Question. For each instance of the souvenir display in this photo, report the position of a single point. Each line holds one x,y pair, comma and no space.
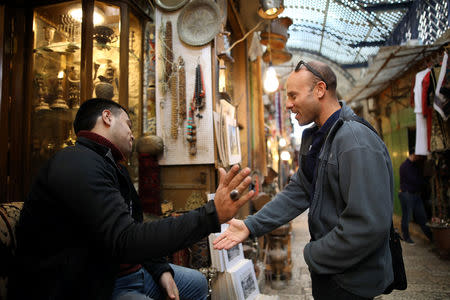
59,103
170,5
173,83
192,130
42,105
104,35
168,58
183,98
198,22
73,83
104,87
181,91
199,91
63,77
211,274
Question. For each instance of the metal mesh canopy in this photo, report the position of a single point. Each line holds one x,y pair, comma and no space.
388,65
347,32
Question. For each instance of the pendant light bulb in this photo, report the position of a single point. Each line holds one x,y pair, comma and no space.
270,80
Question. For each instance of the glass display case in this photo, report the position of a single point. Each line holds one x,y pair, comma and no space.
56,79
84,49
106,52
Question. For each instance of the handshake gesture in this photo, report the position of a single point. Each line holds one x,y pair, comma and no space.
227,201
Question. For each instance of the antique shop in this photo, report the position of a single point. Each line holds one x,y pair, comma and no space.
204,85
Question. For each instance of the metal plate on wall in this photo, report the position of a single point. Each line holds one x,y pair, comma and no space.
198,22
171,5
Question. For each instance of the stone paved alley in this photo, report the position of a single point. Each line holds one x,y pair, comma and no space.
428,275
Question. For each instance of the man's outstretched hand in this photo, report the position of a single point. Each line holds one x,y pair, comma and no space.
236,233
233,180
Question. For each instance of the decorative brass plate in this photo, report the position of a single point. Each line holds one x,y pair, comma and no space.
170,5
199,22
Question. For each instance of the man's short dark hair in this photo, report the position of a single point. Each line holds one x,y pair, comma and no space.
91,109
327,73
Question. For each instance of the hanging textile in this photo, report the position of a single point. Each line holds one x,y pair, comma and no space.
421,121
427,107
440,133
442,98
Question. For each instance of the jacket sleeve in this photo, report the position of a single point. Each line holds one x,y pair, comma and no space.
87,190
366,185
285,206
156,267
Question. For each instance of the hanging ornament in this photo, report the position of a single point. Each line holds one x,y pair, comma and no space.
192,130
199,91
168,50
181,91
174,101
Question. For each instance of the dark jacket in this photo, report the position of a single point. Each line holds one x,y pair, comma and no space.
411,178
76,228
350,212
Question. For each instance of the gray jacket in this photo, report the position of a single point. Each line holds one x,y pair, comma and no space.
350,213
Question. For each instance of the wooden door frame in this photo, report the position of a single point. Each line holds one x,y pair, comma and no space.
15,55
3,112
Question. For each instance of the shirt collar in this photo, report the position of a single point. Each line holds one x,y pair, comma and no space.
329,122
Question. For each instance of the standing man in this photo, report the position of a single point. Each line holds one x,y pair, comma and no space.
412,183
80,234
345,180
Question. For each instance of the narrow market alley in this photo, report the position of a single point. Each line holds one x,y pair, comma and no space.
428,275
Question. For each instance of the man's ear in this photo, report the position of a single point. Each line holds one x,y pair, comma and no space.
107,117
321,89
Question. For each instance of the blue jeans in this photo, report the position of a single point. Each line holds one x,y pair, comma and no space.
412,205
141,286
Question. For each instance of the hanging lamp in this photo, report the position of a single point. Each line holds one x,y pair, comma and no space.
270,9
270,78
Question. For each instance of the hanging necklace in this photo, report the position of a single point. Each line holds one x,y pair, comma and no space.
181,91
168,50
199,91
192,130
174,101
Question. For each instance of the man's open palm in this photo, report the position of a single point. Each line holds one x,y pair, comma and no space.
236,233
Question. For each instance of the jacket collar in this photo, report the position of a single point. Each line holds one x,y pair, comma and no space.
98,140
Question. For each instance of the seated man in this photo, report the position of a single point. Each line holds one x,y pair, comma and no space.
80,234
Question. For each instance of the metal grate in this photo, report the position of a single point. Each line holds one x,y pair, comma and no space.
347,32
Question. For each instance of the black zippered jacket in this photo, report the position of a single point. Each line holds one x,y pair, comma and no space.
76,227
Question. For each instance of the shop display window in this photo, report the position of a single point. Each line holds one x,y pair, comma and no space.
106,52
73,61
56,79
134,72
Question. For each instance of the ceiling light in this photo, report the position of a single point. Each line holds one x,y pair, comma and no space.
270,80
270,9
285,155
77,14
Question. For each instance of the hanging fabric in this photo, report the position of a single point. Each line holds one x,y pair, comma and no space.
421,122
442,98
